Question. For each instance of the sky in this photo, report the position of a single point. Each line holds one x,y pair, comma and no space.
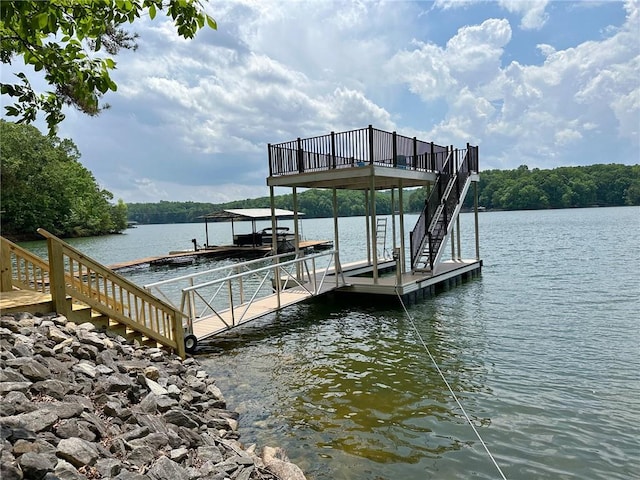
531,82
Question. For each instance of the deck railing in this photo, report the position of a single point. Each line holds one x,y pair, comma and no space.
21,269
355,148
78,276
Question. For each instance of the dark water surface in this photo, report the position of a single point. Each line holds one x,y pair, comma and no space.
543,351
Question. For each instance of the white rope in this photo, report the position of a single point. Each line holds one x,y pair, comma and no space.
435,364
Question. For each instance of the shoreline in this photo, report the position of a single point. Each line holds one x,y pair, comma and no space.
81,403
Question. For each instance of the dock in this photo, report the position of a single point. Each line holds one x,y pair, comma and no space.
179,312
224,251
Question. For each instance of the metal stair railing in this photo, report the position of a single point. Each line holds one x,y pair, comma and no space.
440,209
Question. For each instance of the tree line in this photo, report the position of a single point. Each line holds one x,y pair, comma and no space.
603,185
518,189
45,186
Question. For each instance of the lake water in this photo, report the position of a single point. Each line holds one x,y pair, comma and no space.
543,350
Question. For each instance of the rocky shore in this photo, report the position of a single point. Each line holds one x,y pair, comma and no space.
76,403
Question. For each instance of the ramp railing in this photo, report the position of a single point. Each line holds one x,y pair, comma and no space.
235,289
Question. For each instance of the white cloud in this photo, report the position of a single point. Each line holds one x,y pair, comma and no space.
191,119
533,12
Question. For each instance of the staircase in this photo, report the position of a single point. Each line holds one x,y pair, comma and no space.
73,285
441,209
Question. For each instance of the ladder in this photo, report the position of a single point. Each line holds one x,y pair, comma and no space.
381,237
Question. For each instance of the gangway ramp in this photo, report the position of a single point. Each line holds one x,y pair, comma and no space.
218,300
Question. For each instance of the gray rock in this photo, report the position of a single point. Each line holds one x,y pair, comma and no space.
141,455
108,467
127,475
155,387
155,441
77,451
148,404
165,403
178,454
10,471
34,370
210,453
6,387
86,369
116,383
58,335
53,388
135,433
165,469
35,421
35,465
75,428
181,418
11,375
86,352
64,409
65,471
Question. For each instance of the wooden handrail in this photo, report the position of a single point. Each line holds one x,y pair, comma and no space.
21,269
76,275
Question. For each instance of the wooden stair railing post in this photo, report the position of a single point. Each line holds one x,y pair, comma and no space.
178,332
57,283
6,274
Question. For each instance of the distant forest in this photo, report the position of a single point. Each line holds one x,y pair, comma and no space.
518,189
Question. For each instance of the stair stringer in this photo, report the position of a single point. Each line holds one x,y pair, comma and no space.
456,212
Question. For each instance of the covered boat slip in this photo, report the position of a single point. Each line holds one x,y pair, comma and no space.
254,238
244,245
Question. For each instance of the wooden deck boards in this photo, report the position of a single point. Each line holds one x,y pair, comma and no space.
22,299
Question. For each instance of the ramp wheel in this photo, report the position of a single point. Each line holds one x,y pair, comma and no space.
190,343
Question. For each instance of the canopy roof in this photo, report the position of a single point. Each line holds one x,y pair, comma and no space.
248,214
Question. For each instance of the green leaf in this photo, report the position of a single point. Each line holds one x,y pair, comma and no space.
41,20
152,11
212,23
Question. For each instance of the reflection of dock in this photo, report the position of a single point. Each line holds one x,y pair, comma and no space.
223,251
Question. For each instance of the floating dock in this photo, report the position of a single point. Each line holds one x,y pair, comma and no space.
224,251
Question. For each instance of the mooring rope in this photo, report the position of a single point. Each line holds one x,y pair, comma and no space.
455,397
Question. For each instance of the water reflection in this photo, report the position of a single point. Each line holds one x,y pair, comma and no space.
352,383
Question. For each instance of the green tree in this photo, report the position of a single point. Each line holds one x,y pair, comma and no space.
64,38
45,185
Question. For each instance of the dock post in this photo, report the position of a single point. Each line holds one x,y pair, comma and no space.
458,237
403,262
336,236
374,240
296,231
367,210
475,214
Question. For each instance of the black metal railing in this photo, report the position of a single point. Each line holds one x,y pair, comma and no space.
433,222
354,148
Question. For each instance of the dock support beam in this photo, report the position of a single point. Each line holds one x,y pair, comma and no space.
336,236
374,239
458,237
403,262
475,212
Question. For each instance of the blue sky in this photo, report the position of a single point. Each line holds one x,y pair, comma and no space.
541,83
